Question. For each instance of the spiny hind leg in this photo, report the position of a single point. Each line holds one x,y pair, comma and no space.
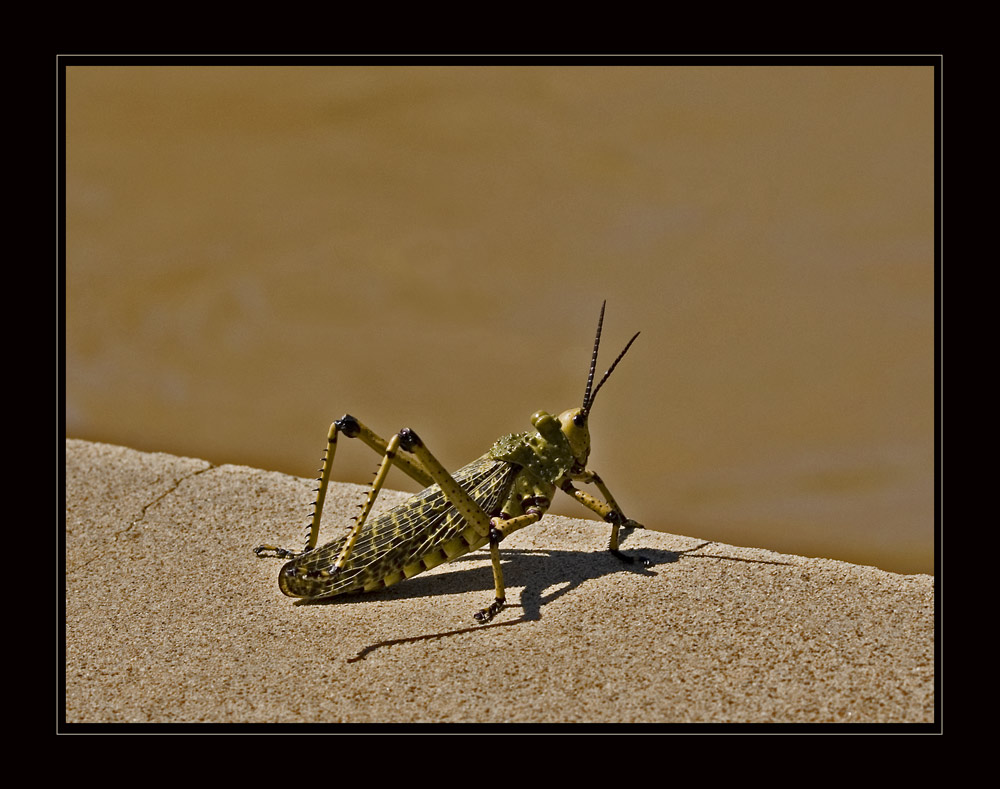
312,537
383,471
352,428
321,566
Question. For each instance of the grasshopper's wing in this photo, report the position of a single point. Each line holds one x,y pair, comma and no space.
420,533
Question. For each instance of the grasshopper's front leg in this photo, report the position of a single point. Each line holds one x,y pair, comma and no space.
607,509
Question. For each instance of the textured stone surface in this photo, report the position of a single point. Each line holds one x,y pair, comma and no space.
171,618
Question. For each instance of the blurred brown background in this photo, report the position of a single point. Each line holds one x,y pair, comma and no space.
254,251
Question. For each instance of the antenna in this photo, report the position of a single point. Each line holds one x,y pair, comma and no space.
588,396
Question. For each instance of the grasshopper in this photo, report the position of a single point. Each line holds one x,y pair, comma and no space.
508,488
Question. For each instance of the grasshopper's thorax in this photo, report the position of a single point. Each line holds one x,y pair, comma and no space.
558,446
545,457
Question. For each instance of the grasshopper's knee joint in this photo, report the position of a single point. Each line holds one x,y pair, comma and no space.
348,425
409,440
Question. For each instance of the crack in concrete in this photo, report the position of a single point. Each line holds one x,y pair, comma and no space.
162,496
142,514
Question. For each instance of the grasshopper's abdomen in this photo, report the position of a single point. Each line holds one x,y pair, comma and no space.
312,574
419,534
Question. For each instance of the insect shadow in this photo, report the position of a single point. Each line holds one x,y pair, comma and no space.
545,576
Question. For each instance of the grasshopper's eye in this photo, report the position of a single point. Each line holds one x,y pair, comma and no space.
580,420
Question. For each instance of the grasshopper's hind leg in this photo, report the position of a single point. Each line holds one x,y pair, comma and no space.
366,508
352,428
324,481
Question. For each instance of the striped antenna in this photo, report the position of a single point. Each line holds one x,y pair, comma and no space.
588,396
593,360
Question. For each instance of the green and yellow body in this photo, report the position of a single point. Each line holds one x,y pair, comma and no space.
508,488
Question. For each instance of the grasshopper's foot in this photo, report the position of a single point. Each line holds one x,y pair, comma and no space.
628,523
274,552
630,559
487,614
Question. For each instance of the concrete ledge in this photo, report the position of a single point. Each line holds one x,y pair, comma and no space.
171,618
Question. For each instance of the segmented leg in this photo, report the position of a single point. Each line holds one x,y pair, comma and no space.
609,511
500,528
366,508
352,428
486,614
474,515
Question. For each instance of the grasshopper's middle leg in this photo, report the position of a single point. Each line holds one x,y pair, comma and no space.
495,528
500,528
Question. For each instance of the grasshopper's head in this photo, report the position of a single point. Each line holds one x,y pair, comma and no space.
573,422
